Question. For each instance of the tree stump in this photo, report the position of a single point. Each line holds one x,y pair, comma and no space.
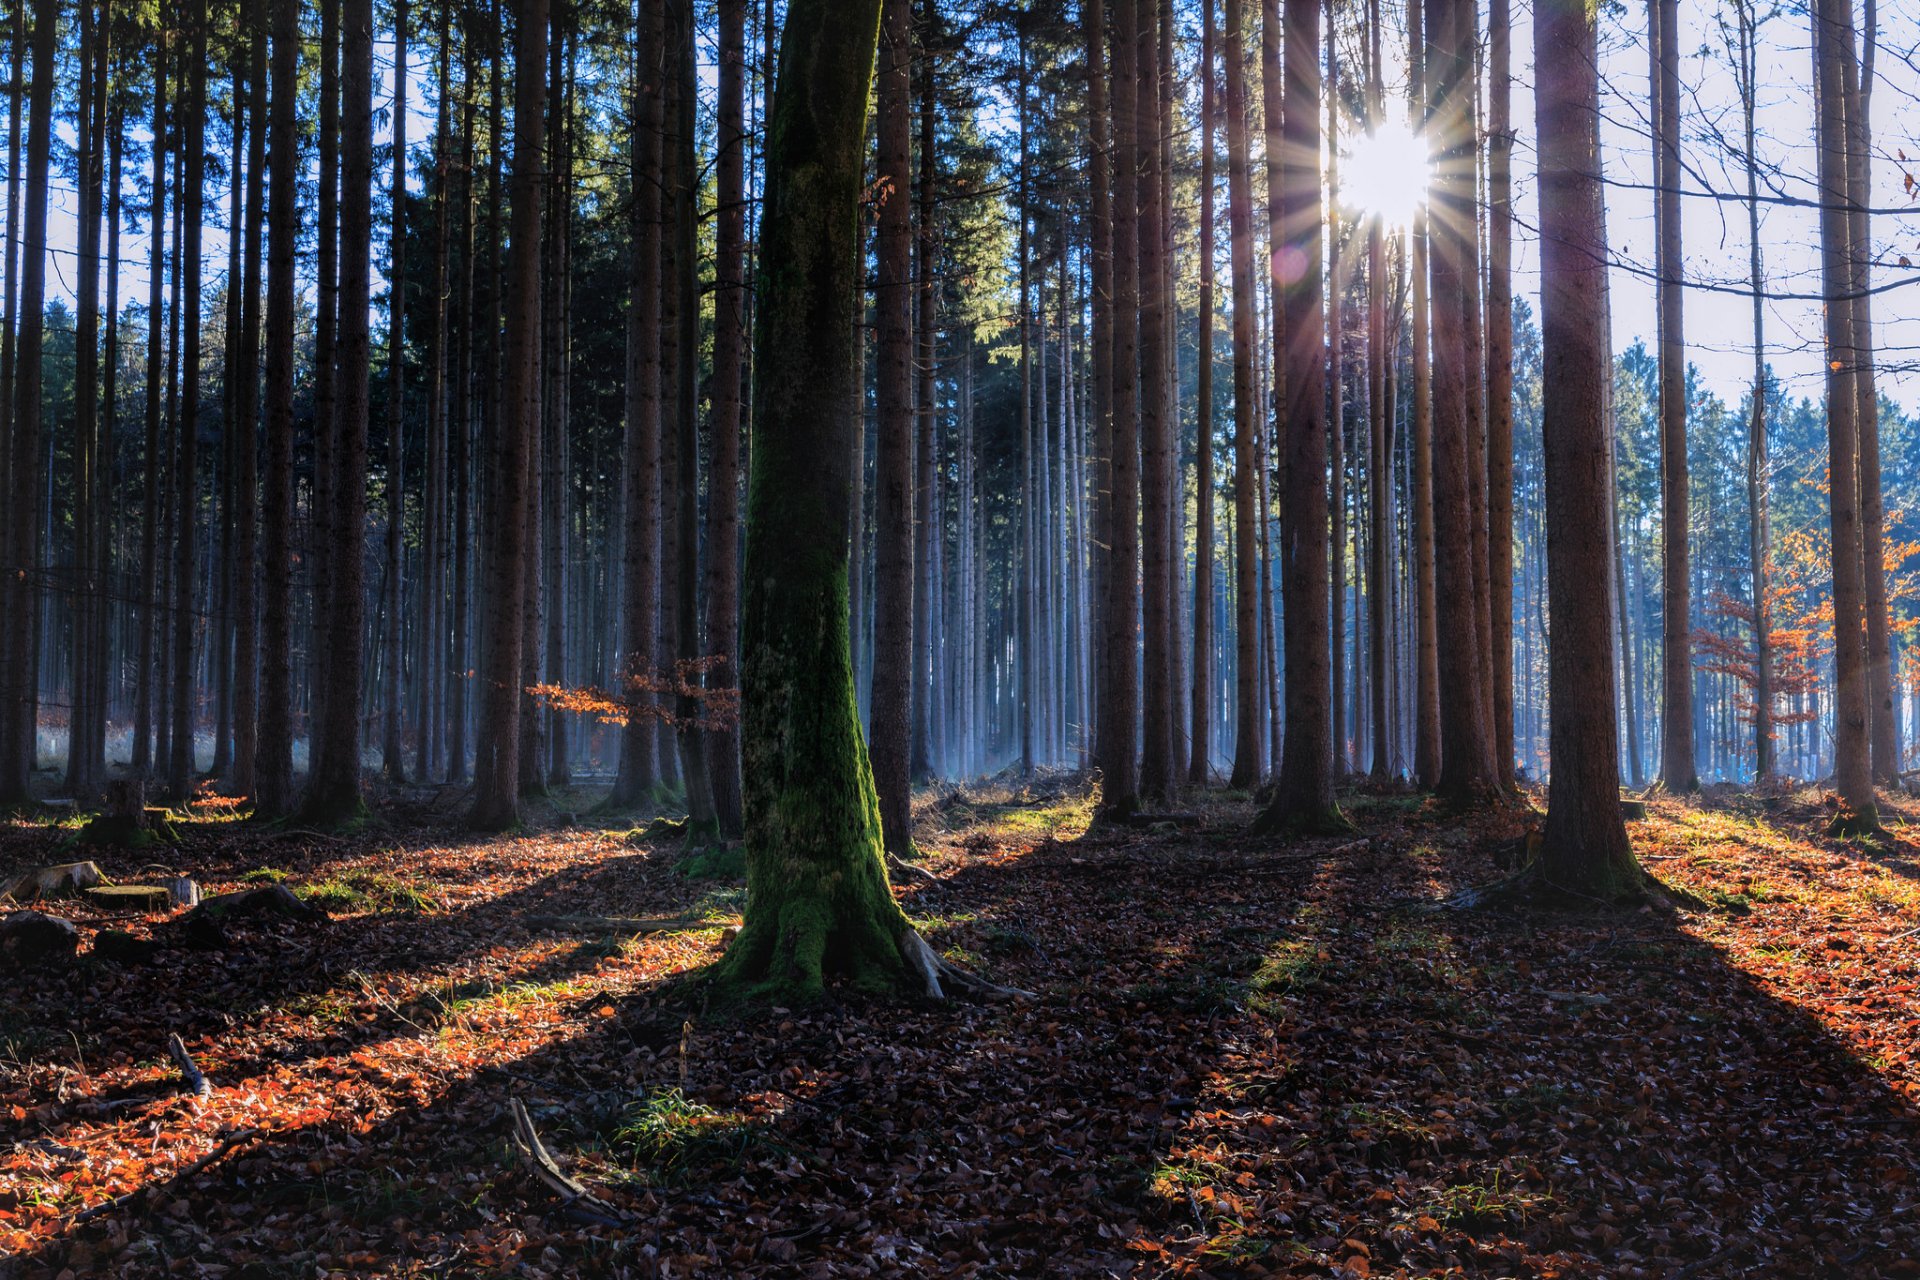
131,897
127,820
61,879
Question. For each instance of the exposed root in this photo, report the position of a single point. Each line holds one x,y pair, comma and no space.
1531,888
190,1073
576,1201
939,977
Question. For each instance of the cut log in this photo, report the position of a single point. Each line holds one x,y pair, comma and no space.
131,897
33,937
617,924
184,891
61,879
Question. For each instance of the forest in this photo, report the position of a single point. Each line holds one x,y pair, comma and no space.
1206,638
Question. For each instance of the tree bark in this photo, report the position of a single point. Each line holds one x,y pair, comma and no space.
1586,849
818,901
729,368
393,761
333,795
1157,424
1852,747
639,762
893,603
1499,378
1119,704
1426,734
1303,797
1677,770
192,136
1246,413
273,760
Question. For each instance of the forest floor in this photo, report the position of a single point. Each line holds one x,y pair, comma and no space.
1242,1059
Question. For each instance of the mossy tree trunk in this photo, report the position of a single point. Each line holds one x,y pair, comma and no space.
817,896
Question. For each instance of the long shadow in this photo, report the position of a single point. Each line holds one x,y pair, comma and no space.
1244,1058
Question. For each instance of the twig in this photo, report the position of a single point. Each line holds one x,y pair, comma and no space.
214,1156
190,1073
575,1200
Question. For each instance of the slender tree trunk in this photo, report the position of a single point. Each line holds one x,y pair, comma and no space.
1119,703
729,360
926,333
1884,711
1246,413
1759,534
497,775
1101,234
1466,762
273,760
1499,379
1337,409
1426,737
1303,798
333,796
246,404
639,766
1157,426
1586,849
1676,665
326,424
1201,697
82,774
894,612
1852,748
141,758
192,133
393,761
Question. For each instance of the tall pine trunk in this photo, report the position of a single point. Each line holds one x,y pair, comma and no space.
333,795
497,772
186,487
1586,849
1303,797
392,696
273,759
894,613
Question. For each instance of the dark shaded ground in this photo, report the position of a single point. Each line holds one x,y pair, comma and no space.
1244,1059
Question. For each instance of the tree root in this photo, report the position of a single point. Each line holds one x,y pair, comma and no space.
576,1201
1530,887
940,976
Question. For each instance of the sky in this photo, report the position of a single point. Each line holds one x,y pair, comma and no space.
1718,325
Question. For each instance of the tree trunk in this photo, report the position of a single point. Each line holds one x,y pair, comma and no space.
273,760
1466,762
1246,413
393,761
639,763
926,328
1759,534
326,385
1677,770
497,775
333,795
1119,703
1201,696
893,604
246,404
186,515
141,756
723,477
1157,425
1426,734
1586,849
1303,798
1884,711
1499,380
1852,748
818,901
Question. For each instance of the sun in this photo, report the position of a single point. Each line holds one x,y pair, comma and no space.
1385,173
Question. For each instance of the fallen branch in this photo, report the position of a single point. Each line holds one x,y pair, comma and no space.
575,1200
214,1156
190,1072
618,924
